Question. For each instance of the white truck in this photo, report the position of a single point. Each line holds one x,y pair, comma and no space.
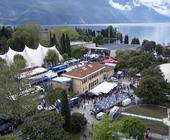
113,111
100,115
126,102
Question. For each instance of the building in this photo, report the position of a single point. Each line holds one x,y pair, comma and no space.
83,44
88,76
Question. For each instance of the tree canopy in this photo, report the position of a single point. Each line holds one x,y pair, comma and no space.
135,41
51,57
150,90
78,51
126,40
53,95
19,61
65,111
28,34
15,101
103,129
126,127
130,127
78,122
73,35
44,126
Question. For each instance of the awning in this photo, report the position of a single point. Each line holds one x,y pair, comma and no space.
107,88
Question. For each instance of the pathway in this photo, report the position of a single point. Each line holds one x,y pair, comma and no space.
143,117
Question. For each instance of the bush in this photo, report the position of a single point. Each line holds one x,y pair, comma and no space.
78,122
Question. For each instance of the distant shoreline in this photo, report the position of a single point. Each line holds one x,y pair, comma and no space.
100,24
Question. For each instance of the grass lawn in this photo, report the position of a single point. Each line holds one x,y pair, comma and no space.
156,127
148,110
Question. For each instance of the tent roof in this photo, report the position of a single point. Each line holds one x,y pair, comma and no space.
62,79
107,88
32,56
165,68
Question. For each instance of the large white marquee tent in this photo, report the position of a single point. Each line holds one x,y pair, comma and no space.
165,68
104,87
33,57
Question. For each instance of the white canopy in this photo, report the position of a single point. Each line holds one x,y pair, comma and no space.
33,57
62,79
165,68
104,87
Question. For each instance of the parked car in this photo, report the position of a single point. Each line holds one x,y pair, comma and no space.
100,115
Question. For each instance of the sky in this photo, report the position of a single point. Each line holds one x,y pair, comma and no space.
160,6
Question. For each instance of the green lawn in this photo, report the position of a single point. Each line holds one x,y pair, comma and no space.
148,110
155,126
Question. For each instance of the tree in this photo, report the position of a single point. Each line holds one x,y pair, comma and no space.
159,49
121,38
68,46
78,51
140,61
2,62
99,40
3,45
148,46
78,122
65,56
103,129
65,110
150,90
122,57
51,57
132,72
28,34
130,127
126,40
53,95
135,41
15,102
44,126
73,34
19,61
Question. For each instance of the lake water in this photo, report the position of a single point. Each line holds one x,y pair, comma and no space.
159,32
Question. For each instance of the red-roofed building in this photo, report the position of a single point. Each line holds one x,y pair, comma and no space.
88,76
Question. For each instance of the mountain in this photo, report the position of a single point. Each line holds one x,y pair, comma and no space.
47,12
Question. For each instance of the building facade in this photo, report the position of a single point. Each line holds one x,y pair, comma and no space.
88,76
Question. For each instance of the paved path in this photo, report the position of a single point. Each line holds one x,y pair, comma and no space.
143,117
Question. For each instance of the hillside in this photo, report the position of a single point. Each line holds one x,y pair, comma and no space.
48,12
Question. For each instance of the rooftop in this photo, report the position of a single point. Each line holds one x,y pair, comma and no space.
84,71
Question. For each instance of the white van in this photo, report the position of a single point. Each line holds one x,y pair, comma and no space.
114,110
126,102
100,115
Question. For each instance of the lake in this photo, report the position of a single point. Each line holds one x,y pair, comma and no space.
159,32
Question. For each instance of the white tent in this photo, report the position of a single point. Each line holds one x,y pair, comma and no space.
104,87
165,68
33,57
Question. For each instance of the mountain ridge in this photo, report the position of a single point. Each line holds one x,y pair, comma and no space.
49,12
